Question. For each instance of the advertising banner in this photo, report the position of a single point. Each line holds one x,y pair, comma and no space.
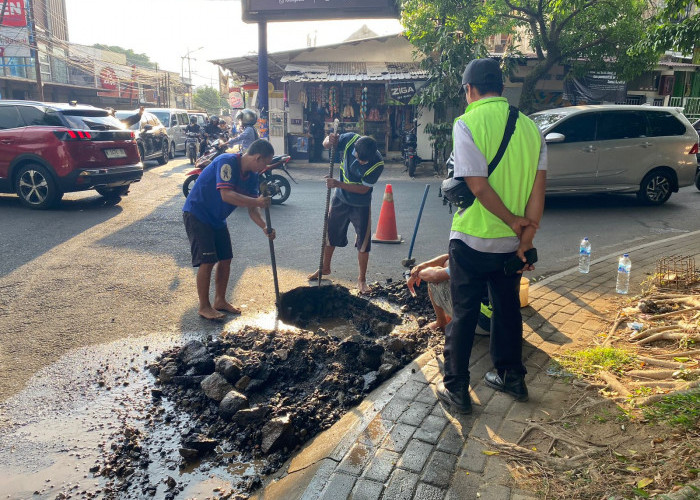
307,10
15,13
14,42
595,86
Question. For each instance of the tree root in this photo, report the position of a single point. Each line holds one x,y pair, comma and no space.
669,336
684,389
618,319
651,331
661,384
614,384
661,362
685,354
659,374
665,315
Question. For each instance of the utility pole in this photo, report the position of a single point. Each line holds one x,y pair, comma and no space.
34,47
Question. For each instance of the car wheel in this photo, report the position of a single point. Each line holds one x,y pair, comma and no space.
112,193
189,184
142,153
36,187
172,150
165,154
411,167
655,188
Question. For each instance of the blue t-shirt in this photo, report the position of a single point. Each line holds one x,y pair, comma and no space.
353,172
204,201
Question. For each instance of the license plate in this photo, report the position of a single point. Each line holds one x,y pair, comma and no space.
115,153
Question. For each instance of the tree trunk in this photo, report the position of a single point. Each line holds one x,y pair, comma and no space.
527,97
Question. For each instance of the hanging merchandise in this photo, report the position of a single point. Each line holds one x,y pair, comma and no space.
324,99
303,99
348,111
363,107
333,102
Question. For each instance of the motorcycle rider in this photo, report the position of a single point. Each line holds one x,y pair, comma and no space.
211,131
246,120
194,128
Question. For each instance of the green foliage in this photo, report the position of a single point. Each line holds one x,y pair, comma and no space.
132,58
674,27
591,361
209,100
678,410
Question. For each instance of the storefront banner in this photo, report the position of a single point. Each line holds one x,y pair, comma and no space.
595,86
402,92
14,42
15,13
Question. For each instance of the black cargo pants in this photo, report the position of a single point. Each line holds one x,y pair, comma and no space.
469,271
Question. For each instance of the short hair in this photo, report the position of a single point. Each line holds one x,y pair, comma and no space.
488,88
365,147
261,147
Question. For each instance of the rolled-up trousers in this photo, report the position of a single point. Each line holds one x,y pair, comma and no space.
469,271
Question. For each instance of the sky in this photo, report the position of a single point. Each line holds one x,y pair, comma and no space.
167,30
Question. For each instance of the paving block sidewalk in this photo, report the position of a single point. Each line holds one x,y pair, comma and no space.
400,443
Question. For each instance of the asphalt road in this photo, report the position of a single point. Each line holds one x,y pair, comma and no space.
89,272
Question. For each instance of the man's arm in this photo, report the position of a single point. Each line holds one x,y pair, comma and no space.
533,212
256,216
351,188
483,191
240,200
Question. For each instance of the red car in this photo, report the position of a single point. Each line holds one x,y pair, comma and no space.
47,149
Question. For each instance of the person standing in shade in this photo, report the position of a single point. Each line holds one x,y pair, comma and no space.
500,223
361,166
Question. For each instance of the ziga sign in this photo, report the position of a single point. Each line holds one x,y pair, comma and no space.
402,92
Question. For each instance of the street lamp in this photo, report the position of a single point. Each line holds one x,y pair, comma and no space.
189,71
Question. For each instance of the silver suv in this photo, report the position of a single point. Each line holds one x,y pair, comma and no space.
175,121
646,150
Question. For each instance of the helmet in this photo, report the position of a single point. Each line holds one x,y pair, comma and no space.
247,117
214,119
193,119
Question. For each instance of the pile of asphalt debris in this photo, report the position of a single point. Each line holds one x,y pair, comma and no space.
254,394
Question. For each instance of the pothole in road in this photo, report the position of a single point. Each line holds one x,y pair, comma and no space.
269,389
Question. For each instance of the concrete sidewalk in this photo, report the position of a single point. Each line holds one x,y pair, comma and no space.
400,443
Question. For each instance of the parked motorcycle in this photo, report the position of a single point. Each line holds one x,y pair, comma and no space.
274,185
192,146
409,142
215,149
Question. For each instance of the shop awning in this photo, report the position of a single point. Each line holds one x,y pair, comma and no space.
354,72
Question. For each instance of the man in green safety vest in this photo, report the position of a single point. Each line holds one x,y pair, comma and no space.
501,223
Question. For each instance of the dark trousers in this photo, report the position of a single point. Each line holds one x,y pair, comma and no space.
469,271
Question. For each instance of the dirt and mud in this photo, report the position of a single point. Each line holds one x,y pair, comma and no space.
254,396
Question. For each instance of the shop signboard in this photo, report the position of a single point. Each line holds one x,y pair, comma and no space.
14,42
307,10
402,92
15,13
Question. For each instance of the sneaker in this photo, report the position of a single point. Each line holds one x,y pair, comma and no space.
461,402
513,384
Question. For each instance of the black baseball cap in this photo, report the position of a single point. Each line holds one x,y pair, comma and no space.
482,72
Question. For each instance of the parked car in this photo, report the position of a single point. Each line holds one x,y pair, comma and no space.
696,126
151,136
201,117
47,149
646,150
175,121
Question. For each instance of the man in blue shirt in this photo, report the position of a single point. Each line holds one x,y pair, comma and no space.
230,181
361,166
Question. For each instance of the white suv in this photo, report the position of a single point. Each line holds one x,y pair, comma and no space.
175,121
646,150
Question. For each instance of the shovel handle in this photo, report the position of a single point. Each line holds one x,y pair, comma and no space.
328,203
415,229
272,256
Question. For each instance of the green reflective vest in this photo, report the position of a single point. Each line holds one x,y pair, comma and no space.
514,176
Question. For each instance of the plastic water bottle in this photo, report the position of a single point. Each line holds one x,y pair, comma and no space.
623,274
584,256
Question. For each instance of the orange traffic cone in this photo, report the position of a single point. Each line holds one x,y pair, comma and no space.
386,229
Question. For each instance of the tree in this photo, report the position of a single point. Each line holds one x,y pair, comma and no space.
674,27
132,58
210,100
584,34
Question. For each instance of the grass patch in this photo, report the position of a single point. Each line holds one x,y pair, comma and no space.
677,410
591,361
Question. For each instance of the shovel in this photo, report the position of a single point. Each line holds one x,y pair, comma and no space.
272,251
408,262
328,204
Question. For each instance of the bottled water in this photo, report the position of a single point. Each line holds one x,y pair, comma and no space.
584,256
623,274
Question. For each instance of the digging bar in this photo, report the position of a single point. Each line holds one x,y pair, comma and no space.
328,203
272,254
